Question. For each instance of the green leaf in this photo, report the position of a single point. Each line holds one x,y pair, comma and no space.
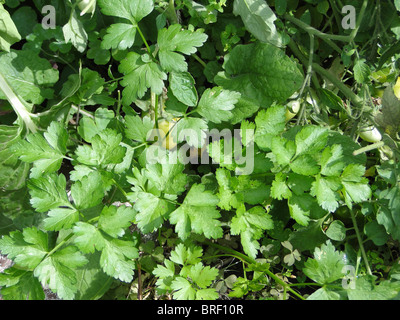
138,128
92,282
117,259
116,255
356,186
114,221
49,192
88,237
192,131
330,99
119,36
26,248
58,271
133,11
259,19
89,127
325,191
13,172
183,87
326,266
20,285
47,153
216,104
105,150
141,74
186,255
261,73
202,276
397,4
88,192
250,224
332,162
283,150
198,214
361,71
174,40
376,233
183,289
152,211
311,139
8,31
279,188
300,208
299,184
305,165
167,177
29,75
366,288
389,116
60,218
74,32
269,123
336,231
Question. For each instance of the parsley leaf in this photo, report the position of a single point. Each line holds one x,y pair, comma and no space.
269,123
46,152
216,104
197,214
174,40
133,11
116,254
141,73
326,266
105,150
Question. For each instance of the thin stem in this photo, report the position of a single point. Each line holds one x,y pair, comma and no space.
358,102
59,245
154,103
199,60
144,40
371,147
324,36
360,242
85,113
120,188
119,104
292,45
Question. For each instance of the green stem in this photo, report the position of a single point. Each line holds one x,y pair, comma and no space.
171,12
199,60
144,40
324,36
296,51
83,112
371,147
360,242
154,103
59,245
358,102
120,188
